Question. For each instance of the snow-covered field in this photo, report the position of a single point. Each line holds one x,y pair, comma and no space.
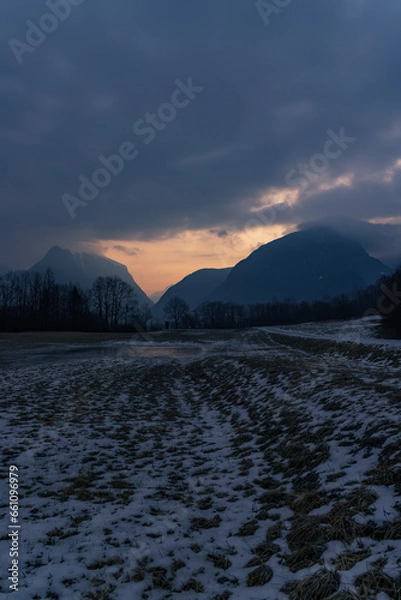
255,465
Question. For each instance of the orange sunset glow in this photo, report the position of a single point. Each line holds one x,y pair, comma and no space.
158,264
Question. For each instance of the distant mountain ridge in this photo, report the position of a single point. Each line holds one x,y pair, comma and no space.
83,268
314,264
194,288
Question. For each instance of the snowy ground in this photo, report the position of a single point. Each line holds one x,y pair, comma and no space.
255,465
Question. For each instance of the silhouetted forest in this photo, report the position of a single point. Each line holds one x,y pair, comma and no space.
35,301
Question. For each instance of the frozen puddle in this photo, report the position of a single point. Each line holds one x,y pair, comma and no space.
168,351
66,353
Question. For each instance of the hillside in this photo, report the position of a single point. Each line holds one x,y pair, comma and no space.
194,288
305,265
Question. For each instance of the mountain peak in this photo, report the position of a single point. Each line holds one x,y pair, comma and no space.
312,264
83,268
57,250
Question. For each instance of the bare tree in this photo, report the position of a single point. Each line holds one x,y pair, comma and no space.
176,309
114,300
35,286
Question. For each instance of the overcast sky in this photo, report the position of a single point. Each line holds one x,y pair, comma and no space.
235,108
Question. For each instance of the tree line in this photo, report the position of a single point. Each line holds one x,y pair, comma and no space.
382,298
35,301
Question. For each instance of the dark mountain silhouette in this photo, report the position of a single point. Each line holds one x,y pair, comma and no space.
83,268
194,288
381,240
306,265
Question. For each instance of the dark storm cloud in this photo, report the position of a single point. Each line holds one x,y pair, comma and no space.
270,94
